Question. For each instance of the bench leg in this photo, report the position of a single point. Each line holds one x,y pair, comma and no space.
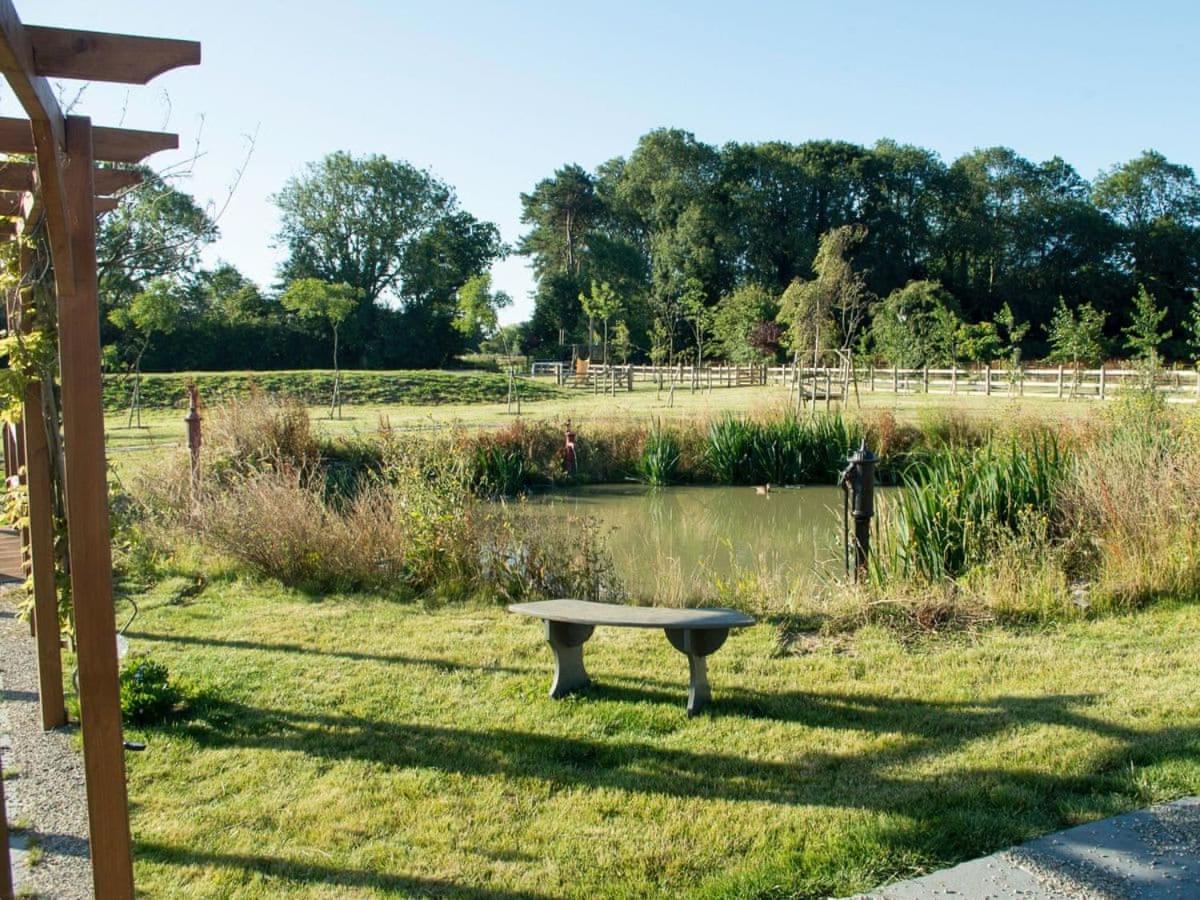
566,640
696,645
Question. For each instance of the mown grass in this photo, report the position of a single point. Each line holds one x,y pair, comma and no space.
315,386
351,746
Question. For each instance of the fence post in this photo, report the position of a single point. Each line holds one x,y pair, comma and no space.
1060,382
1102,381
925,380
871,376
895,380
987,380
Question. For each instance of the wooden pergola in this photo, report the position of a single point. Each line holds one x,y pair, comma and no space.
62,192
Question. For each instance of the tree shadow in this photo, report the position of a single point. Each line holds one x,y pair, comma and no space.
309,873
444,665
809,777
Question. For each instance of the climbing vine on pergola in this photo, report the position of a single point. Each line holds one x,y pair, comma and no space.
51,190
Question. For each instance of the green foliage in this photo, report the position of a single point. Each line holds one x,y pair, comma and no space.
312,298
1144,335
1194,328
1011,332
478,308
147,694
958,504
978,342
782,451
735,320
1077,336
917,325
659,462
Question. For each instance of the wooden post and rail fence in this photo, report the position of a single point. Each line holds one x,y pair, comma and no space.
823,382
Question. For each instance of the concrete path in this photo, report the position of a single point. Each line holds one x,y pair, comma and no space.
1153,854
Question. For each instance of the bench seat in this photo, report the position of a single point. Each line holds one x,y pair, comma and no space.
696,633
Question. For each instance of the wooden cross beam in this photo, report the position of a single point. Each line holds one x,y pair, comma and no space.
119,145
18,177
96,56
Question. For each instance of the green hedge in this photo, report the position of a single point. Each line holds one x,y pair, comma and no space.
413,388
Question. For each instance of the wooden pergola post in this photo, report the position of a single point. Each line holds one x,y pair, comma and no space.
60,192
40,534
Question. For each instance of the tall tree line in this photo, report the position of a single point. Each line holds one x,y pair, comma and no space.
1004,236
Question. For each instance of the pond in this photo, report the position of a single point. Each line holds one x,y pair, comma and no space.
674,542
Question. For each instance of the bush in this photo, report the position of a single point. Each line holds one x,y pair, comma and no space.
147,695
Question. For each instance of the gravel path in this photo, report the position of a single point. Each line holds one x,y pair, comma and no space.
46,794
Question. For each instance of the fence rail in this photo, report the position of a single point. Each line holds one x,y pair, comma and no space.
1062,382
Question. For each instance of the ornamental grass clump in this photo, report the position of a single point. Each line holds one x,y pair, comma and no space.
957,504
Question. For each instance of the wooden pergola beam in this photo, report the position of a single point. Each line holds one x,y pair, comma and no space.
19,177
120,145
48,131
99,56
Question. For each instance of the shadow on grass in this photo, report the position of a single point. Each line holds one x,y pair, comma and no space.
444,665
303,872
809,777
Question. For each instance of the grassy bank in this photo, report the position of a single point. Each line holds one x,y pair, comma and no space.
351,746
315,387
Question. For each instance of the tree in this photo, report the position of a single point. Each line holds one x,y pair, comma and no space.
311,298
1011,332
621,342
1156,206
1194,328
736,320
154,311
1077,337
916,325
694,306
387,230
156,231
479,309
978,342
1144,334
602,304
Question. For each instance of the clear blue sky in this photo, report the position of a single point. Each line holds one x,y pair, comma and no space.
494,96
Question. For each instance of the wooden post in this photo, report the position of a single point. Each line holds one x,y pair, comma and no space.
41,559
987,380
895,380
1102,381
39,536
1060,382
954,380
925,380
88,544
871,376
6,876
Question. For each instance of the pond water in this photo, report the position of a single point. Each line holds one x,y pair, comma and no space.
669,543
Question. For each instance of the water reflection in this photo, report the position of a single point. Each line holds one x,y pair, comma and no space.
670,542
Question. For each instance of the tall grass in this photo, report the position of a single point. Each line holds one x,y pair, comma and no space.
659,462
957,504
788,450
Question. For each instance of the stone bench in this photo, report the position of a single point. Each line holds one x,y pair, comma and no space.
696,633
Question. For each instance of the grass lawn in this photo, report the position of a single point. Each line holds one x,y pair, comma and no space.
352,746
165,428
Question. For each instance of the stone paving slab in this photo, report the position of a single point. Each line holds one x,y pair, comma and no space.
1153,854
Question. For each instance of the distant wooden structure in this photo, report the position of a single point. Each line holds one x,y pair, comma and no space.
59,195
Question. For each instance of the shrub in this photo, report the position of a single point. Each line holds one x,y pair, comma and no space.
147,694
